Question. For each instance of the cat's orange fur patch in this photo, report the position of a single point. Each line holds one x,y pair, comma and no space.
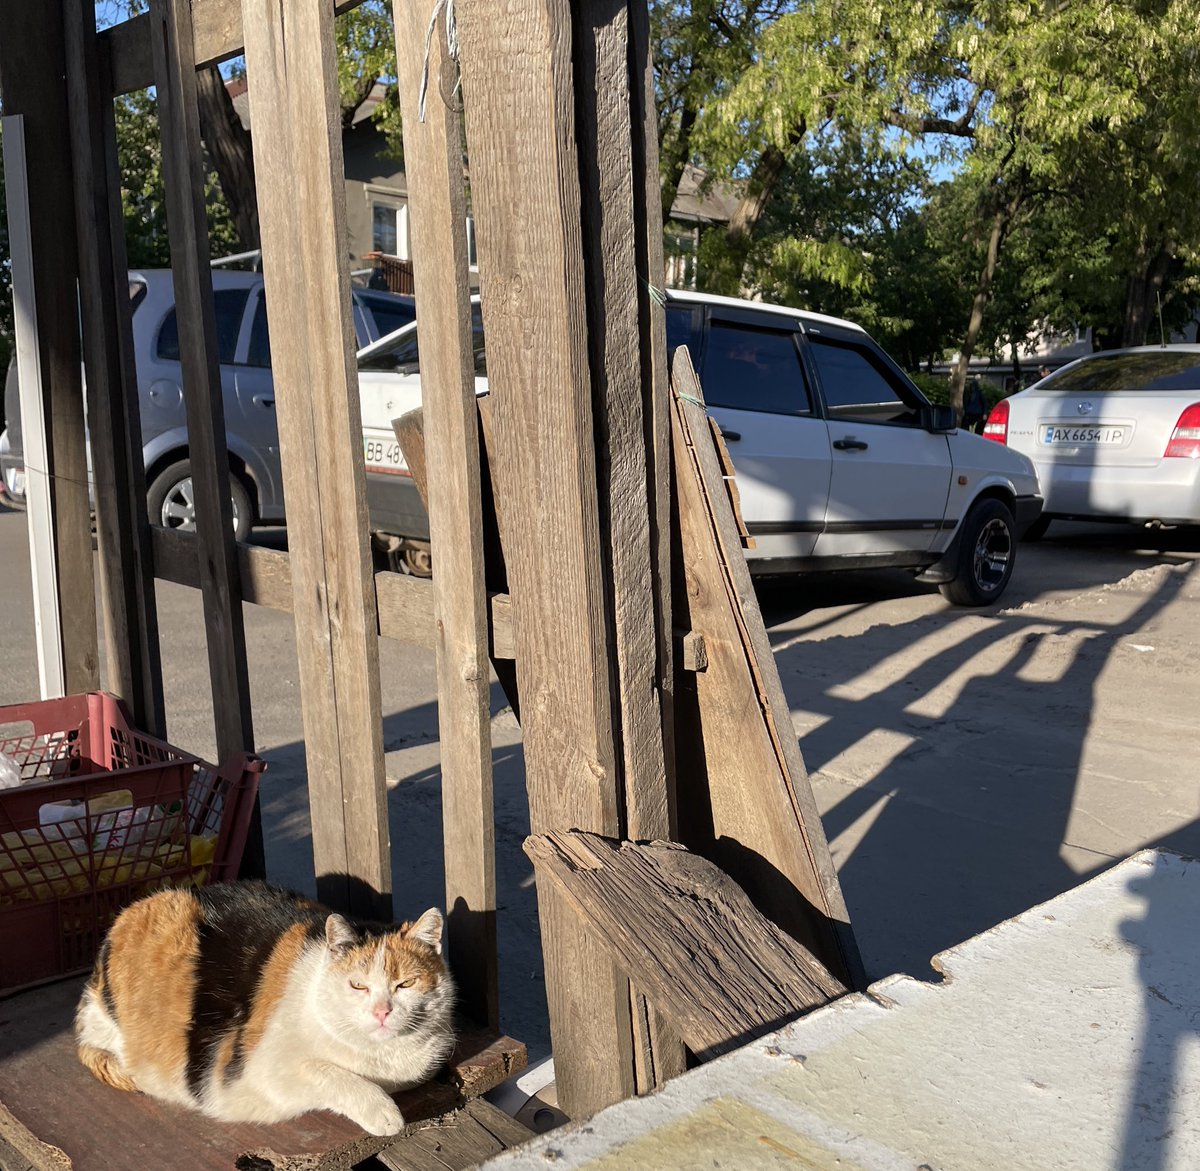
407,958
154,944
105,1068
272,983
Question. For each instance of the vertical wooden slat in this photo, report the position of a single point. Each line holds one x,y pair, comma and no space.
32,80
520,120
301,202
114,419
437,219
616,336
656,382
187,226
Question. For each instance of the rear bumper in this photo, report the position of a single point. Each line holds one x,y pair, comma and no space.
1168,491
394,506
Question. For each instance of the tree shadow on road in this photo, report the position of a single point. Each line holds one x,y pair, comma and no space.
967,820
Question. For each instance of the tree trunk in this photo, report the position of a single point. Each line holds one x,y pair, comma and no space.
228,145
1141,295
739,232
675,157
983,291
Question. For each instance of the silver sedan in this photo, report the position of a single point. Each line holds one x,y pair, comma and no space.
1114,436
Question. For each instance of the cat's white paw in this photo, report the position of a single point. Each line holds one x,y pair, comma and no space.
379,1116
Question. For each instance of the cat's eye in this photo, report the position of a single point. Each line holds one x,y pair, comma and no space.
357,986
406,983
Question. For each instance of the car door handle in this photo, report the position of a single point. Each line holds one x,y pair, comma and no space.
849,444
264,400
730,436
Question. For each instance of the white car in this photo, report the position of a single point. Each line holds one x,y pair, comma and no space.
1114,436
841,461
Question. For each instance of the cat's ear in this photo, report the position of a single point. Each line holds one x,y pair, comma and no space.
428,929
339,935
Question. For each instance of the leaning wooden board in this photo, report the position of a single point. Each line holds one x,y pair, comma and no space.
88,1126
744,798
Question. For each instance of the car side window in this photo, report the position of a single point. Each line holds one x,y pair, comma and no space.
259,353
751,368
679,327
856,385
230,307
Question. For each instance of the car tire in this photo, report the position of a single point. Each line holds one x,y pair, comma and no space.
987,551
1037,530
169,501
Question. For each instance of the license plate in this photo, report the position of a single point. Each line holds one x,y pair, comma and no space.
381,453
1053,436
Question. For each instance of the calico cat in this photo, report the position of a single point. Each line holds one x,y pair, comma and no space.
252,1004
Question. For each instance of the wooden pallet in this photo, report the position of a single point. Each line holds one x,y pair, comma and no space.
56,1117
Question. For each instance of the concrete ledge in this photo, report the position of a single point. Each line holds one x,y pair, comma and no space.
1067,1037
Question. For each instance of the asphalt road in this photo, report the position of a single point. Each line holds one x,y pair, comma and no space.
968,764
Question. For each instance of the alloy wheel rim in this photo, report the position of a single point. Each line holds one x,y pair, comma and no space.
993,553
179,507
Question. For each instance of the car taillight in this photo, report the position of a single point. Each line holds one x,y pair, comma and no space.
996,426
1185,439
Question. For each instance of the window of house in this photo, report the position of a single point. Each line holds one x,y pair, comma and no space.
753,369
230,306
389,228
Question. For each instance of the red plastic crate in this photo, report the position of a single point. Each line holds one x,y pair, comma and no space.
151,817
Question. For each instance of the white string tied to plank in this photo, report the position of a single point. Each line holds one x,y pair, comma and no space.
451,48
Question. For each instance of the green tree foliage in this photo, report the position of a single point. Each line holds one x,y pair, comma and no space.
139,152
1068,130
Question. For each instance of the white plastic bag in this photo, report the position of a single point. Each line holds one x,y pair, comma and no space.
10,772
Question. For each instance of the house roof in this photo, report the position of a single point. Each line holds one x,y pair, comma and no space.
703,200
697,200
239,92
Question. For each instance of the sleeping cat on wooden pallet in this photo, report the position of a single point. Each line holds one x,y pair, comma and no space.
255,1005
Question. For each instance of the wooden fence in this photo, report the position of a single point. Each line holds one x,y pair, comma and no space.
575,610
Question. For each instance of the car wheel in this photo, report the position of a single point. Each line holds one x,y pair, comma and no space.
987,550
170,501
1037,530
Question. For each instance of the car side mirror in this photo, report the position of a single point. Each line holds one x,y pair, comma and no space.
938,418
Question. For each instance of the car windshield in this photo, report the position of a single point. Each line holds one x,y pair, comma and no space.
401,353
1147,370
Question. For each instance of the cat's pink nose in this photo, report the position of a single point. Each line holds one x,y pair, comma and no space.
381,1012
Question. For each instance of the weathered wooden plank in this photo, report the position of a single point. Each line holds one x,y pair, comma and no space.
32,79
748,805
521,125
191,274
410,434
437,215
100,1129
463,1139
217,37
20,1150
290,64
114,415
404,603
721,972
656,381
617,331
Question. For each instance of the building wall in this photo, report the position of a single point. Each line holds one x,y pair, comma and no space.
373,180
